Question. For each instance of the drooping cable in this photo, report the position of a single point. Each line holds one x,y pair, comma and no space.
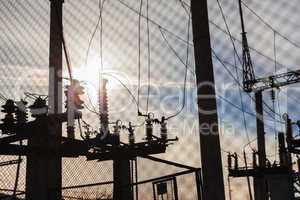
100,5
174,51
139,57
124,85
185,73
231,38
178,37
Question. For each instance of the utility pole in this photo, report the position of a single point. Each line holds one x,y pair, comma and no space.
121,166
213,182
55,96
260,189
43,178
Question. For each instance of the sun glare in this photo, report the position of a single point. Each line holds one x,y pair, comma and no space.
89,75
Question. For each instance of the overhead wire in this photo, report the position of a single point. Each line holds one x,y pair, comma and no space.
270,26
186,70
149,58
214,55
236,39
174,51
229,102
3,97
236,81
123,85
191,43
262,20
160,27
100,5
273,93
99,23
237,75
231,38
139,56
235,54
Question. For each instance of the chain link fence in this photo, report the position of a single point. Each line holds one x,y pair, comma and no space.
164,40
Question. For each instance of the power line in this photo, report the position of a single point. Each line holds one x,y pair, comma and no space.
124,85
100,5
153,22
236,39
229,34
174,51
185,64
149,57
139,56
237,76
191,43
238,83
270,26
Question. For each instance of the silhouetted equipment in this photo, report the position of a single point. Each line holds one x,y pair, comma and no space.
213,183
73,104
280,178
99,148
103,107
165,189
108,146
253,84
54,164
265,177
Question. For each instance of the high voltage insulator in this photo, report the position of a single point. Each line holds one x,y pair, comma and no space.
73,93
149,129
73,105
39,107
131,137
21,112
9,120
163,129
273,95
103,107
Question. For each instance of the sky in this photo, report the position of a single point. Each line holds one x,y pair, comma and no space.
24,42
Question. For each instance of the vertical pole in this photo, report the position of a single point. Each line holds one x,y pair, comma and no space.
55,97
198,185
289,138
122,180
43,174
260,189
282,150
175,189
213,183
122,173
248,178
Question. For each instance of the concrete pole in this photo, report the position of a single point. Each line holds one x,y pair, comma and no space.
43,174
260,187
213,182
55,97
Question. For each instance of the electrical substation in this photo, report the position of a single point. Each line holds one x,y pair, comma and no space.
61,142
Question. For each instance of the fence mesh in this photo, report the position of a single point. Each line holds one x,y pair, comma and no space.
24,60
